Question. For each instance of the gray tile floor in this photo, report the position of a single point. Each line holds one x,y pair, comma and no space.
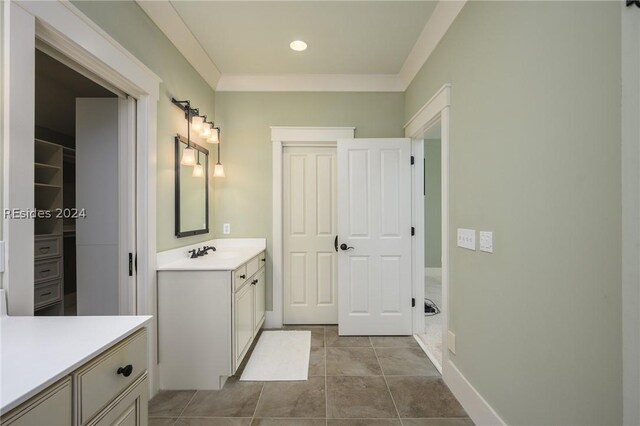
353,381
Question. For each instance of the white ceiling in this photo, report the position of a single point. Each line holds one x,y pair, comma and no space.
344,37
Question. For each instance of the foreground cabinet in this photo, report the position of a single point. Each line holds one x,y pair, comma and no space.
208,320
111,389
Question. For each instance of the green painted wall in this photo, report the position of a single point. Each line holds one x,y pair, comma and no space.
127,23
535,157
243,198
433,204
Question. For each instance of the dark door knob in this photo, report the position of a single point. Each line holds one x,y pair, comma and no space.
126,370
345,247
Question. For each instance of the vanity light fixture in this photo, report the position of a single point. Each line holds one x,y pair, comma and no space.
196,122
218,170
198,171
213,135
206,130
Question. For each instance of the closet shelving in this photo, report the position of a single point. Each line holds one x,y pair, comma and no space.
48,248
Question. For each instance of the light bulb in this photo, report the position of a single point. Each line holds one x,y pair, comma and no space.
214,137
218,171
196,123
188,157
206,130
198,171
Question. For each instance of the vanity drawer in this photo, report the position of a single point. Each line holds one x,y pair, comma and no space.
47,247
46,270
99,382
254,264
46,293
240,276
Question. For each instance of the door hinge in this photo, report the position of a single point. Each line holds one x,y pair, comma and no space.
413,160
413,302
413,231
130,264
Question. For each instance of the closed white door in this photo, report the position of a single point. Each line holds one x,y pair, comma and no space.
309,230
374,228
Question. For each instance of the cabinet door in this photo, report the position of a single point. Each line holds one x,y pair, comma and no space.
243,324
259,301
51,407
129,409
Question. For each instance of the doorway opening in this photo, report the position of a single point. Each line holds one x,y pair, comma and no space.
432,192
80,158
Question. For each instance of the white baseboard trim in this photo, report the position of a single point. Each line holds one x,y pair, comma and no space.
476,406
433,272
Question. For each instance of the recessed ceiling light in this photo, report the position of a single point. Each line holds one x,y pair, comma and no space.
298,45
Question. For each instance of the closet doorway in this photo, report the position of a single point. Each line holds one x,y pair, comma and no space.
84,185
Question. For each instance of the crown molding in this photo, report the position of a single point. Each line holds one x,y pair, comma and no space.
163,14
436,27
310,83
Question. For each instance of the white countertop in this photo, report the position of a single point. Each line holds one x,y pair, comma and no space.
229,255
36,352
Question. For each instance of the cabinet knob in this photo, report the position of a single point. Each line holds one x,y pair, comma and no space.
243,276
254,282
126,370
264,260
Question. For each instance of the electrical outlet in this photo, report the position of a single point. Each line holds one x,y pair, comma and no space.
226,228
451,342
486,241
467,238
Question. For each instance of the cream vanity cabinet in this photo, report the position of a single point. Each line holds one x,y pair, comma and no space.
207,320
111,389
249,305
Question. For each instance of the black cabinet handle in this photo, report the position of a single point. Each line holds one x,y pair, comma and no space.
44,249
335,243
45,294
254,282
264,260
243,276
344,247
126,370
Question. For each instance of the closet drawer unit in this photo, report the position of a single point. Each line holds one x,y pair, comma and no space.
254,264
47,247
240,276
46,293
106,377
46,270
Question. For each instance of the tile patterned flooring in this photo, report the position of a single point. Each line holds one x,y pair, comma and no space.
353,381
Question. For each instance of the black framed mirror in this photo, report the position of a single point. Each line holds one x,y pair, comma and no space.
191,187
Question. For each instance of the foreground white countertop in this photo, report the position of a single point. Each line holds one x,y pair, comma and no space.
229,255
36,352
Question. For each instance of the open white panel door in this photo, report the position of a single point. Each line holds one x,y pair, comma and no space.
374,229
103,187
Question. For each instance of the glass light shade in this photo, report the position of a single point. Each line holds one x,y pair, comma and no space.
218,171
196,122
188,157
214,137
198,171
206,130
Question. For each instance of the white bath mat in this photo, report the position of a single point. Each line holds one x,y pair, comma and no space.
279,356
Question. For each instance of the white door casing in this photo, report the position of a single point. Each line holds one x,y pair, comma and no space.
374,217
309,227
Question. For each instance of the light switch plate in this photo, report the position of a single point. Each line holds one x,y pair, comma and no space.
467,238
451,342
1,256
486,241
226,228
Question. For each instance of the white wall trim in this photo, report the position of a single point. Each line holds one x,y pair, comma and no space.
165,16
310,83
630,215
279,137
63,27
437,26
476,406
430,111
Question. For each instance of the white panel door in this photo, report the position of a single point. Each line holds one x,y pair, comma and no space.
374,228
309,230
97,235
